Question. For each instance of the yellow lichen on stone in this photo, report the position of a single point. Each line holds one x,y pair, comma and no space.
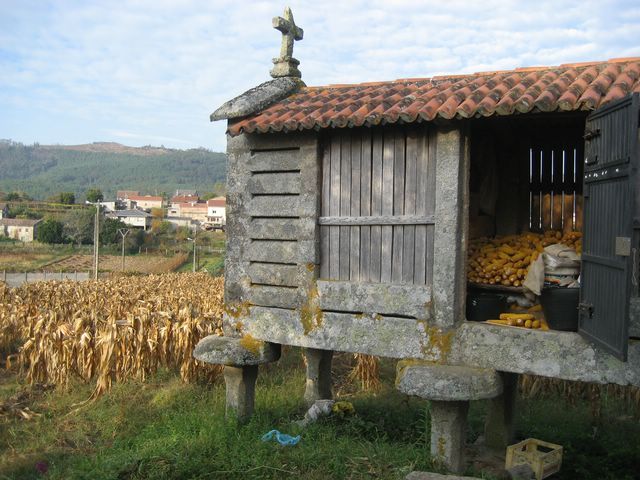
237,310
251,344
442,443
437,344
408,362
310,314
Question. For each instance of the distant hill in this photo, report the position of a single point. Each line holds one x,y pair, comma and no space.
44,170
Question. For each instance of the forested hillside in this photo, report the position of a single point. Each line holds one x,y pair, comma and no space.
43,170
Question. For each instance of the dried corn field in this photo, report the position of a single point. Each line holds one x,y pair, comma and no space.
111,330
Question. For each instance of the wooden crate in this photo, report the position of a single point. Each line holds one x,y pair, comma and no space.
544,458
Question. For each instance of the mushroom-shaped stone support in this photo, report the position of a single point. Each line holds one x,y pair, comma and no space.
240,358
450,388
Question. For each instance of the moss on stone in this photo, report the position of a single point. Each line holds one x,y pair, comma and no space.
251,344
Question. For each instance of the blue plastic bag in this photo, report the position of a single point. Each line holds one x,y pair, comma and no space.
282,438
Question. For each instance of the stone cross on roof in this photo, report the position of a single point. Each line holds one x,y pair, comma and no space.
285,65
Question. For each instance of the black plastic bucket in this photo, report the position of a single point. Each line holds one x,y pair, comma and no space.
485,306
560,307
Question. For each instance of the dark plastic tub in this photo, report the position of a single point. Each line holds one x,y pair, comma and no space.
560,307
485,306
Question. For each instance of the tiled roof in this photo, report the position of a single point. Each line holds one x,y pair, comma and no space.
18,222
130,213
194,206
581,86
217,202
147,198
184,198
127,193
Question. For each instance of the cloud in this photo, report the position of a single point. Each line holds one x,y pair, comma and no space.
161,67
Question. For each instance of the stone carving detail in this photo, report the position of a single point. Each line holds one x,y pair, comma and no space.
285,65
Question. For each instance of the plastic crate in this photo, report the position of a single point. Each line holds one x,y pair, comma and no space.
544,458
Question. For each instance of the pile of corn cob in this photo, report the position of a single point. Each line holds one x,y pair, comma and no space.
505,260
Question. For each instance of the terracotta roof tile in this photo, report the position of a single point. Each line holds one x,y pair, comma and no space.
571,86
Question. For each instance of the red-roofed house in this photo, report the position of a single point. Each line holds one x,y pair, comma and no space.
145,202
194,211
176,199
217,212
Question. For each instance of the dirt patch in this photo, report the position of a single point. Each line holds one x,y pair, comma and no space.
113,263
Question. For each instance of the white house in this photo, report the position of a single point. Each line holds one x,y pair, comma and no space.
4,210
217,211
134,218
22,229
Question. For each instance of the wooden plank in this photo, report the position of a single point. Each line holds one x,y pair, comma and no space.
365,205
579,212
546,211
272,251
275,206
411,300
334,209
376,205
279,229
274,160
345,203
408,254
535,186
325,250
557,186
547,187
431,205
354,250
567,220
422,186
379,220
274,182
397,250
273,274
387,204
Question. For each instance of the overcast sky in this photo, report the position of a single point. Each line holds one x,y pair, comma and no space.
151,71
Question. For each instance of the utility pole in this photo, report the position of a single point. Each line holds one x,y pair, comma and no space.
96,242
124,232
195,237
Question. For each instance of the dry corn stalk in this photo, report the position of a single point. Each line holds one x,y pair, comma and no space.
366,371
124,327
532,386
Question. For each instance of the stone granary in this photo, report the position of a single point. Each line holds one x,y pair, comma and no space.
350,209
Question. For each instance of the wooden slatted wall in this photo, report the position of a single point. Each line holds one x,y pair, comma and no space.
378,201
555,187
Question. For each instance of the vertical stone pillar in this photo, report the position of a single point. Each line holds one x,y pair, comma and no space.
499,429
451,225
319,383
241,387
448,433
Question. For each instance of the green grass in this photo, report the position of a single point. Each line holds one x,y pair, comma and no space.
164,429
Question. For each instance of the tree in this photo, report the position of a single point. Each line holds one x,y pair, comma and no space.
109,231
219,190
66,198
94,195
50,231
12,196
78,225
